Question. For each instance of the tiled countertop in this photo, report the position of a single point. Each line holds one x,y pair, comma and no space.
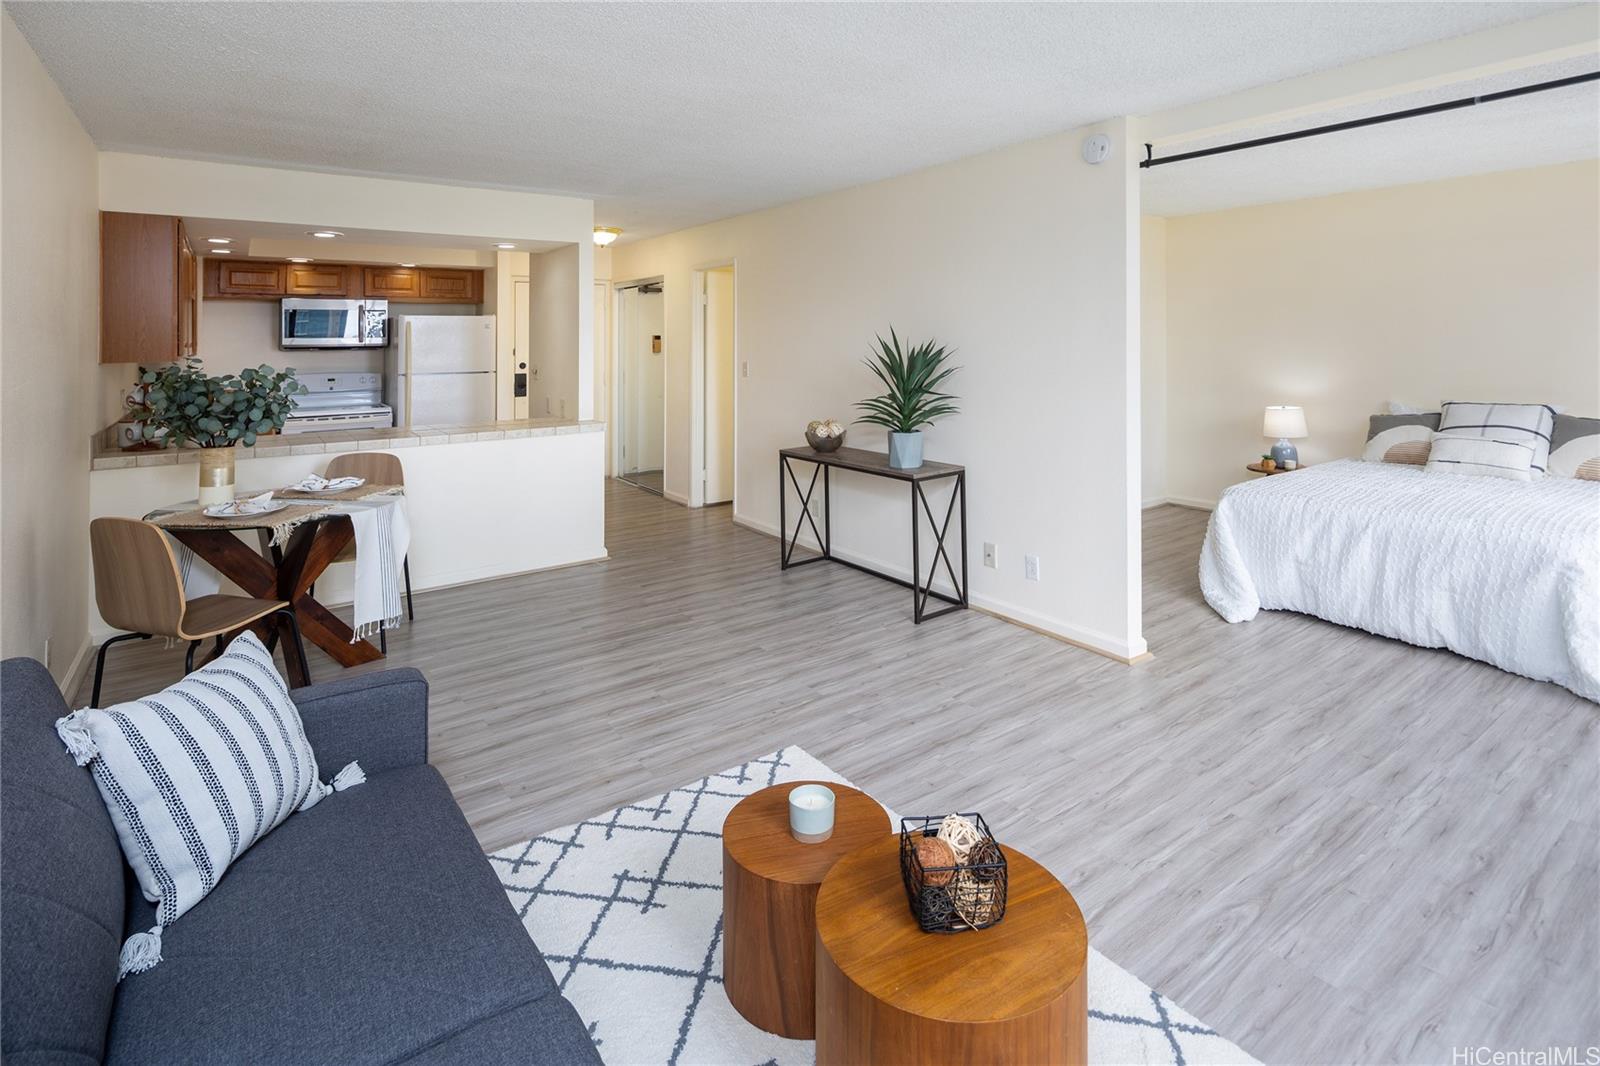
105,456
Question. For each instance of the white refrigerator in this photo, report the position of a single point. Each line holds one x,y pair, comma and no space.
440,370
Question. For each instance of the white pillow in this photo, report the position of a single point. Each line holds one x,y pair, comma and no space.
1480,456
194,775
1522,423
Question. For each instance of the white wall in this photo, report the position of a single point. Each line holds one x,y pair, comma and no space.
1480,288
1026,260
1153,358
263,194
554,338
49,347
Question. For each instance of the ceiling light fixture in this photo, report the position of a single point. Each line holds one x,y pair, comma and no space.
221,251
505,247
408,264
295,259
604,235
219,240
326,233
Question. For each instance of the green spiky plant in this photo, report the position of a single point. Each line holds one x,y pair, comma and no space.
913,377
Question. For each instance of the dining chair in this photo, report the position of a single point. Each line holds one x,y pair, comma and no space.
378,468
138,589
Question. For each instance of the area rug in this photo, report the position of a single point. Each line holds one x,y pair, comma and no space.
627,907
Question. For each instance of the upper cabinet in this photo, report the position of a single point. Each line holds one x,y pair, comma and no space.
317,279
147,289
257,279
393,283
241,277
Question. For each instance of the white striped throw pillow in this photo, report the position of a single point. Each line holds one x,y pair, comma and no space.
1519,423
1480,456
195,774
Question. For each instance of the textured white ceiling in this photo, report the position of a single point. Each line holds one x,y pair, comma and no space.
1557,126
673,114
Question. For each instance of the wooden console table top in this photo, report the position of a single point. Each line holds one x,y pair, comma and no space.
863,461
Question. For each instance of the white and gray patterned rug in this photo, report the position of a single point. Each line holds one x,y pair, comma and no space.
627,907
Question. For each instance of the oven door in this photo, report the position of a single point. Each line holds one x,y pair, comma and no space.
308,323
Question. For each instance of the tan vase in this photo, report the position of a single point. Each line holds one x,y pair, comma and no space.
216,475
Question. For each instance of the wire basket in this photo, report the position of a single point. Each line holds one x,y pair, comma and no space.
952,897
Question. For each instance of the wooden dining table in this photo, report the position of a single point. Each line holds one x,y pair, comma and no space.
295,545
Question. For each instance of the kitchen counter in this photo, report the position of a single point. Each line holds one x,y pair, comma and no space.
484,501
107,456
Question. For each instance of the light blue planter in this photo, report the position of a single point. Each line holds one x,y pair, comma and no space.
905,450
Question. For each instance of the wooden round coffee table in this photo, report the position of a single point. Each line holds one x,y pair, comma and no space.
769,897
888,992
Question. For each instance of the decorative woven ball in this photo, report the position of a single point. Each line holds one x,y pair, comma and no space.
936,908
984,858
960,834
974,900
931,852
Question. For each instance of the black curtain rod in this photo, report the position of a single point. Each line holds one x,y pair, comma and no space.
1354,124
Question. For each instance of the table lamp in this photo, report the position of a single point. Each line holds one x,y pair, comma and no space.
1284,421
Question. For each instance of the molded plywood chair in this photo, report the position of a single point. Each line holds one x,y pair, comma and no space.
139,589
378,468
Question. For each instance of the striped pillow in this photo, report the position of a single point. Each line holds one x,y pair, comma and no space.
1520,423
1480,456
1400,438
195,774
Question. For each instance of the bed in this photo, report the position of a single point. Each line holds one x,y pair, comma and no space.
1506,572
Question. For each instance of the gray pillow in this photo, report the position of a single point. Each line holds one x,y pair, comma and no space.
1575,448
1400,438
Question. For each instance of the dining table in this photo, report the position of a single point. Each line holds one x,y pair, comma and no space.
295,544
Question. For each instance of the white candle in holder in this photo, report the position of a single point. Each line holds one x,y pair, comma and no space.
811,813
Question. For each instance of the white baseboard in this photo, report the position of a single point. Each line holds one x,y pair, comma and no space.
675,498
73,680
1154,501
1087,639
1193,502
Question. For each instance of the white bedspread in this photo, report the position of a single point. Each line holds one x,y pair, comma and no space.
1502,571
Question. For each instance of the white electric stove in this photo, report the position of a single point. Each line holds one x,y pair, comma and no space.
339,401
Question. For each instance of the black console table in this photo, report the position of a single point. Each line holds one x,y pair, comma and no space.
877,464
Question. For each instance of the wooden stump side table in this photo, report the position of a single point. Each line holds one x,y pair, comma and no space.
887,992
769,898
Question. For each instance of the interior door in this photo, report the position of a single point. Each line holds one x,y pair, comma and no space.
719,353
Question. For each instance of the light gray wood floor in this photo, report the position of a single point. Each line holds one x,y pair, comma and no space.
1331,846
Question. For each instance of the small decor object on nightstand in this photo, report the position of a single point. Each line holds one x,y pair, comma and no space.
1285,422
954,872
825,435
1268,464
811,813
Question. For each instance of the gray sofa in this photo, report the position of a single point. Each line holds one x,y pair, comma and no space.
369,929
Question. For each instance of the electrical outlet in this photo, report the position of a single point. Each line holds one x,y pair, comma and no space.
563,407
744,369
990,556
1030,567
547,405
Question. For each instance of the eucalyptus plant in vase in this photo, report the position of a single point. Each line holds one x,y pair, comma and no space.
912,376
182,404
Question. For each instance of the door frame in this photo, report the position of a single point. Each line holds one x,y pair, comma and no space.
697,381
618,379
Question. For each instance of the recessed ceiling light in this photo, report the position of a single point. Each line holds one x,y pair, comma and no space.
408,264
221,251
298,260
219,240
604,235
505,246
326,233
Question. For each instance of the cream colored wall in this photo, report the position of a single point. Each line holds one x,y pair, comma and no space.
556,345
1480,288
1026,260
1153,358
49,347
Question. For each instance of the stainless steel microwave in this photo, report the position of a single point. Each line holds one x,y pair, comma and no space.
315,323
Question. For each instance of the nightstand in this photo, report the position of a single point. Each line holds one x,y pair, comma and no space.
1255,468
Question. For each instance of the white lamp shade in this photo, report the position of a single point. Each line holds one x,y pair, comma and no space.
1284,422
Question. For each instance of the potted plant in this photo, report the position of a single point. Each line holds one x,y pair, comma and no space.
913,378
180,404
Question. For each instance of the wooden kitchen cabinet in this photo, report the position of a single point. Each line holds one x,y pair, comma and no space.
317,279
392,283
244,277
148,311
440,285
